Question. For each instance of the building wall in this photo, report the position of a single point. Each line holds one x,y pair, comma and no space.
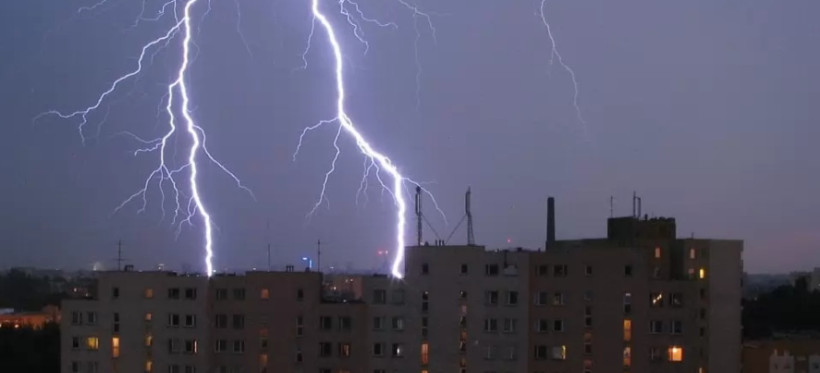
724,274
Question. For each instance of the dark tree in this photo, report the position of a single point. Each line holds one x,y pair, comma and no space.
30,350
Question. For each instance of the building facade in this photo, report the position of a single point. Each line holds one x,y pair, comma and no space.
640,300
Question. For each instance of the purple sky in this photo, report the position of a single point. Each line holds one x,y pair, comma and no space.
709,109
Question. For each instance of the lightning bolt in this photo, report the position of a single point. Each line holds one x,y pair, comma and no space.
165,174
555,55
373,158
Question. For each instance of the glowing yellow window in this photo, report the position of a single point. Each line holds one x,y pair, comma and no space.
425,353
149,293
148,316
675,353
702,273
264,294
149,340
92,343
149,366
115,346
657,253
627,330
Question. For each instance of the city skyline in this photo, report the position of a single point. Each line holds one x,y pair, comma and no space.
706,110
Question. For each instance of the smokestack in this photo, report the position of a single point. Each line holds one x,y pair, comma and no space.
550,221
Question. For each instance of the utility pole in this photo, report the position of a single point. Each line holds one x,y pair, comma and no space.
268,257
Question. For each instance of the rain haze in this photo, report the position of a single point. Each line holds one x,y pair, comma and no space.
708,109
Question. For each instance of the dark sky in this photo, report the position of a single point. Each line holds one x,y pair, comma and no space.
709,109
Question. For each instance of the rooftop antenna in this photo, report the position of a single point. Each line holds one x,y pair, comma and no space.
418,216
634,198
470,235
319,255
119,258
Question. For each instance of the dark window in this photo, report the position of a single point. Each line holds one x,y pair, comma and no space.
173,293
190,293
677,327
491,297
463,269
221,294
239,293
702,294
628,270
491,269
558,325
325,349
702,313
588,270
540,352
300,294
512,298
345,323
543,270
676,300
238,321
115,293
379,296
425,268
221,321
325,323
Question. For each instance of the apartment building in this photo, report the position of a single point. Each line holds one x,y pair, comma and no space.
639,300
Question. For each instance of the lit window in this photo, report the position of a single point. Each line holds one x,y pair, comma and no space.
115,347
559,352
702,273
657,253
627,330
92,343
692,253
656,299
344,349
264,294
149,366
149,340
627,356
425,353
675,353
263,360
397,350
148,316
149,293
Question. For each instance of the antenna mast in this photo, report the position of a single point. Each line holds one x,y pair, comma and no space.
418,215
318,255
470,235
119,259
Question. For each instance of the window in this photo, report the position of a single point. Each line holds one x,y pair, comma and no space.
656,272
491,269
378,323
489,352
560,270
75,367
173,293
148,293
76,318
703,314
702,273
490,325
676,300
588,271
588,296
464,269
655,326
92,367
221,321
115,292
692,253
173,369
300,294
510,325
587,366
657,253
300,325
398,323
190,293
264,294
542,270
190,369
263,360
298,357
190,321
491,297
512,353
655,299
398,297
221,294
191,346
627,302
425,269
378,349
512,298
238,321
558,325
540,352
115,346
627,330
149,366
425,297
221,345
148,317
92,343
587,343
149,340
325,323
558,352
239,346
677,327
263,338
628,270
173,345
654,354
558,299
344,350
541,298
425,353
627,356
75,342
542,326
702,294
239,294
379,296
462,295
173,319
91,317
397,350
345,323
675,353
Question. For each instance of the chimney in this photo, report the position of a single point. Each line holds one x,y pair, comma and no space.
550,221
